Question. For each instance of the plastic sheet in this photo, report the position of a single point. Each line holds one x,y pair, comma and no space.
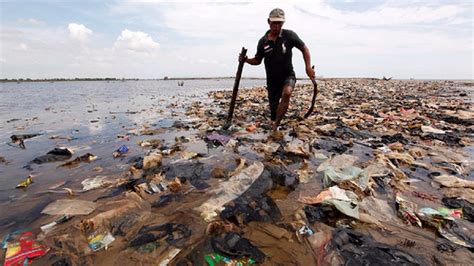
230,190
353,174
358,249
70,207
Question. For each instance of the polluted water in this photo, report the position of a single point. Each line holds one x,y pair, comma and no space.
144,172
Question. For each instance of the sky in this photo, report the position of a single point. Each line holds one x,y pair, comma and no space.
427,39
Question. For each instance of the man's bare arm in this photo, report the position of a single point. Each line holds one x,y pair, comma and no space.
252,61
307,61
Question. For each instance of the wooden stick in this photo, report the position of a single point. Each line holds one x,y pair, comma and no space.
243,53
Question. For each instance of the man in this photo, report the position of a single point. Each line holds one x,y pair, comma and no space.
275,47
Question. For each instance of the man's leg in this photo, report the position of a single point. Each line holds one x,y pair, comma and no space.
274,95
284,102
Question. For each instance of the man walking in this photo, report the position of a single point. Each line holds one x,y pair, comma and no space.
275,47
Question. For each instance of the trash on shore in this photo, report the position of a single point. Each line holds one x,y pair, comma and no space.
381,173
19,139
86,158
22,248
57,154
69,207
50,226
100,241
121,151
26,183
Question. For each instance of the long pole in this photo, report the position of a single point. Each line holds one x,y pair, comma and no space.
236,88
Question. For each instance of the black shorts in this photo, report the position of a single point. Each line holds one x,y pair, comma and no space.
274,94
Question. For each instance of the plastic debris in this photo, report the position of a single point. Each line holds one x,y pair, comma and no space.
49,227
215,259
175,185
333,192
428,129
456,236
163,201
20,139
174,234
86,158
235,246
57,154
373,150
251,128
96,182
21,248
297,149
378,208
70,207
218,139
349,208
406,210
268,149
354,248
444,245
453,181
153,143
466,206
171,255
305,231
26,183
100,241
338,162
445,213
352,174
121,151
230,190
152,160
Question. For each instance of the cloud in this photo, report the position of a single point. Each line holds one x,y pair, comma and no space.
79,32
136,41
2,60
23,46
399,38
414,32
32,22
388,15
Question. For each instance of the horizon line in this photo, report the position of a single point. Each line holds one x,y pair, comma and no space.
3,80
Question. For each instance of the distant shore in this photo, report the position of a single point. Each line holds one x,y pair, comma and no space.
116,79
20,80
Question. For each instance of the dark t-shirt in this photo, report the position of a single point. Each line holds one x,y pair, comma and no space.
277,56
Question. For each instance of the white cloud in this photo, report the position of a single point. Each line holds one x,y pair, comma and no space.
387,15
2,60
32,22
79,32
407,35
23,46
136,41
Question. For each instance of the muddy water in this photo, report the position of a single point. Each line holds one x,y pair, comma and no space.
91,115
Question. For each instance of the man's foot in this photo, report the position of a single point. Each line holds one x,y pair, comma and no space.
275,126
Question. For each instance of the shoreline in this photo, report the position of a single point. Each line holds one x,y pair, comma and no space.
52,80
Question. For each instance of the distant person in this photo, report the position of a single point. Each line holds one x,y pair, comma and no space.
275,47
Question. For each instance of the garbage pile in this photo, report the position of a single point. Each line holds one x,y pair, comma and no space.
381,173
